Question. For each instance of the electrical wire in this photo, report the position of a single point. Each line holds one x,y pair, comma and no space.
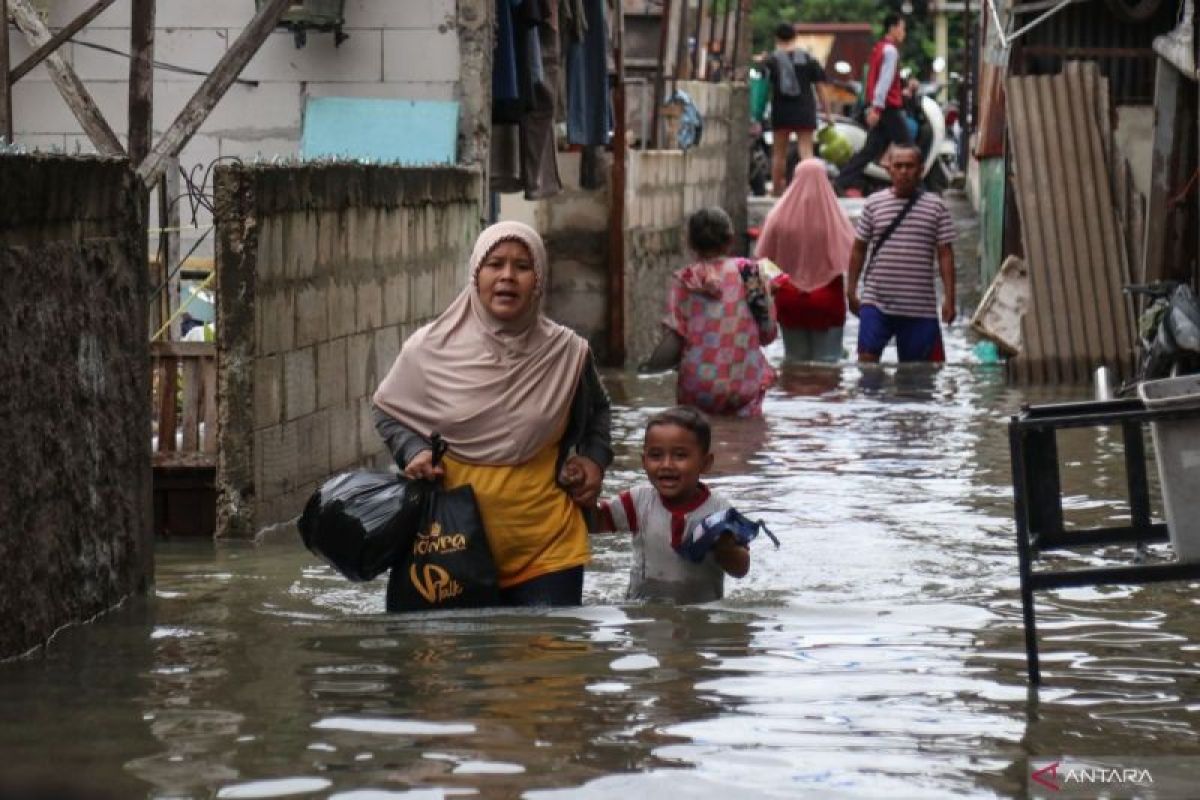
158,64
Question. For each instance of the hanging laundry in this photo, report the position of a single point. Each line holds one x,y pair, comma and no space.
589,109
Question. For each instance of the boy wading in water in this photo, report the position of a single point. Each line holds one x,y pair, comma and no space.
659,514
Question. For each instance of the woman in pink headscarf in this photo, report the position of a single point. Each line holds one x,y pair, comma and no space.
808,236
520,406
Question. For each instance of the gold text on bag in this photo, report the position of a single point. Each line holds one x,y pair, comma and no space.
434,583
435,541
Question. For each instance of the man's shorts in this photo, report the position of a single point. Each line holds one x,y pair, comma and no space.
917,338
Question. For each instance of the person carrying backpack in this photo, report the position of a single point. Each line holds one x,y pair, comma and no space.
792,71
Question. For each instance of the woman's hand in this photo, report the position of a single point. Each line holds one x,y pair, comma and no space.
581,478
421,467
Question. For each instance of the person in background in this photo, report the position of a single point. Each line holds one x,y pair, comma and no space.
793,72
719,315
675,453
885,98
520,405
900,230
808,236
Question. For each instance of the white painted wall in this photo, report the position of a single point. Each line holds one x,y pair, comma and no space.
397,49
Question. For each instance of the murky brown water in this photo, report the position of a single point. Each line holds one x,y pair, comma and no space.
877,654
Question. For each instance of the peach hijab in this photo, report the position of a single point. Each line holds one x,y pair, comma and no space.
498,392
807,234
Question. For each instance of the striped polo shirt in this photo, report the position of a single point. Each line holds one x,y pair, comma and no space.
900,281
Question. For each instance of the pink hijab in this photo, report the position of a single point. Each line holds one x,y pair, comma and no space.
498,392
807,234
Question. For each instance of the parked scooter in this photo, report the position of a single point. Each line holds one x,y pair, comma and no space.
938,151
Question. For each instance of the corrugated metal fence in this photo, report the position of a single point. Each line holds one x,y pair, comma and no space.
1061,142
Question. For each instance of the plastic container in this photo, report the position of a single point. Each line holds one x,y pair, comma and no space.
1177,451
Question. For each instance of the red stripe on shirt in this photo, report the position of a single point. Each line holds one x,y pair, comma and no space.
630,512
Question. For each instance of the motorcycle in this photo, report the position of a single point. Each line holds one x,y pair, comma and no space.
938,151
760,159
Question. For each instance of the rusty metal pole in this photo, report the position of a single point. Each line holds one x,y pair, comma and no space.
6,123
659,76
616,202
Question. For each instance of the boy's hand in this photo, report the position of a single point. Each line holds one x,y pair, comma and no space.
581,478
732,557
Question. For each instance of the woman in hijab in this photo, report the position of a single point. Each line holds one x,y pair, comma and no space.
520,405
808,236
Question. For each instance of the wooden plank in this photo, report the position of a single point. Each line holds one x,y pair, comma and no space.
208,380
168,377
211,91
73,27
180,459
183,349
191,404
1167,112
6,80
69,86
141,82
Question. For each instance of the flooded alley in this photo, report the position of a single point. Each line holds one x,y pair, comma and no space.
878,652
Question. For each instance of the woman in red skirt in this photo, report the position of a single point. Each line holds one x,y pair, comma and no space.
808,236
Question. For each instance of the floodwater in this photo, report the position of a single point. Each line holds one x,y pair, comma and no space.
877,653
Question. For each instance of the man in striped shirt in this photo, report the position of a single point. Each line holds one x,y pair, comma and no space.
899,298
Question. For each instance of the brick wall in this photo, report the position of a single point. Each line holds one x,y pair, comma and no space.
410,49
323,271
574,225
665,186
75,534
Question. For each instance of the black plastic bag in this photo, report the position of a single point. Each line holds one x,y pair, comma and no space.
363,522
449,563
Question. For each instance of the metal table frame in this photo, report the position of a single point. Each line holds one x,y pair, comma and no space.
1037,502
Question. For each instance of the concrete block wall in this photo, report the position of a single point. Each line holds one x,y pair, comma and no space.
664,188
574,224
323,272
75,501
397,49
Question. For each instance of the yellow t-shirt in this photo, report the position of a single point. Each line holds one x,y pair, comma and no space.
532,525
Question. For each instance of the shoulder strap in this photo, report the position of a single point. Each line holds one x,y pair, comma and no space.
877,244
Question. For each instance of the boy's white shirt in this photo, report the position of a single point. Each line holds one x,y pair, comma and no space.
658,572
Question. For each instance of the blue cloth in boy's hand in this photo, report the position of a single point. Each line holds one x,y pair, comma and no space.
703,536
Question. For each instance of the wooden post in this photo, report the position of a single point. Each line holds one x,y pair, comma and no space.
212,90
660,76
1163,231
743,8
141,80
6,127
72,28
169,222
69,86
616,208
680,46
